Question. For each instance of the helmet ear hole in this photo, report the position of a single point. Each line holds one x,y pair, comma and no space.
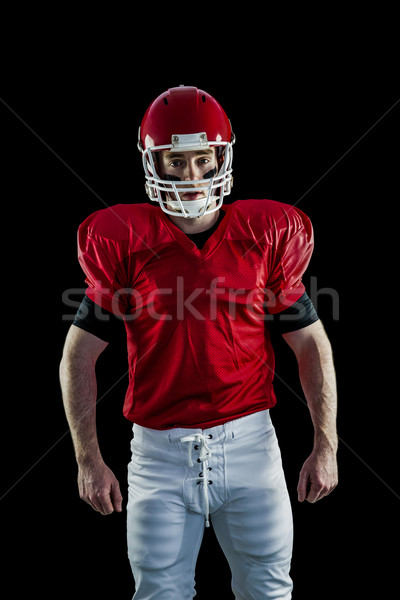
220,156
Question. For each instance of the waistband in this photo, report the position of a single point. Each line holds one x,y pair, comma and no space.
241,427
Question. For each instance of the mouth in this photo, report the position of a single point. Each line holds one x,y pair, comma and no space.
188,196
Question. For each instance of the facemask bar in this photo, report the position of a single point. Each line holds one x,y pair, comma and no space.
159,190
193,208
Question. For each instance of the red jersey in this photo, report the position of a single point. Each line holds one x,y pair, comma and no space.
199,348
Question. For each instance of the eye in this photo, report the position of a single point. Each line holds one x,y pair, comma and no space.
175,163
203,161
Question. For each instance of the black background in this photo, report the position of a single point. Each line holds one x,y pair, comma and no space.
312,100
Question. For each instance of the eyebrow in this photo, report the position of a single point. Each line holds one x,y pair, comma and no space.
182,154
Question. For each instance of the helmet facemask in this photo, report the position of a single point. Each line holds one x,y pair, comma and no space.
167,191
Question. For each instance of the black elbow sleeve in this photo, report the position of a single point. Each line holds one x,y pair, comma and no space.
94,319
301,314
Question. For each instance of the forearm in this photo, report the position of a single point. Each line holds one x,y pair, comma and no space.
317,376
319,474
318,380
98,485
79,391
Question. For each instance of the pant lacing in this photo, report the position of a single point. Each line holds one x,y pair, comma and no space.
204,455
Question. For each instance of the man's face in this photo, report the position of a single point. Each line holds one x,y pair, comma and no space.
188,166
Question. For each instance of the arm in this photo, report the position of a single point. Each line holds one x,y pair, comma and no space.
97,484
312,348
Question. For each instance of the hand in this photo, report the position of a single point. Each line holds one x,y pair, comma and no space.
318,477
99,487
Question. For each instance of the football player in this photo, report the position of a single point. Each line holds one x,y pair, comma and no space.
196,283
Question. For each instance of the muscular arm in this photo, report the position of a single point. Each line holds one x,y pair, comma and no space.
97,484
312,348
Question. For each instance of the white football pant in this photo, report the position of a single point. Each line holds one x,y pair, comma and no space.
230,474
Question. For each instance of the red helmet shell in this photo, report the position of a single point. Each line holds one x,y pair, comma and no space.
183,110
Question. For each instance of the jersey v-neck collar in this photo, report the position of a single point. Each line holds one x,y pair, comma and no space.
201,237
211,244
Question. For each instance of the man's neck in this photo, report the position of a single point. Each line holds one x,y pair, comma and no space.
197,225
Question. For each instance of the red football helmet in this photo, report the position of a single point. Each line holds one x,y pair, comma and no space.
185,119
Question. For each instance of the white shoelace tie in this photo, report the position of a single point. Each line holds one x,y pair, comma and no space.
204,455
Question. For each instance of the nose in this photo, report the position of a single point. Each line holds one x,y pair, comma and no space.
192,172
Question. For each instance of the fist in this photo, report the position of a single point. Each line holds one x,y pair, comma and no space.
99,487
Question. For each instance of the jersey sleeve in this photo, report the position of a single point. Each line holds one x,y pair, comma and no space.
291,256
103,261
